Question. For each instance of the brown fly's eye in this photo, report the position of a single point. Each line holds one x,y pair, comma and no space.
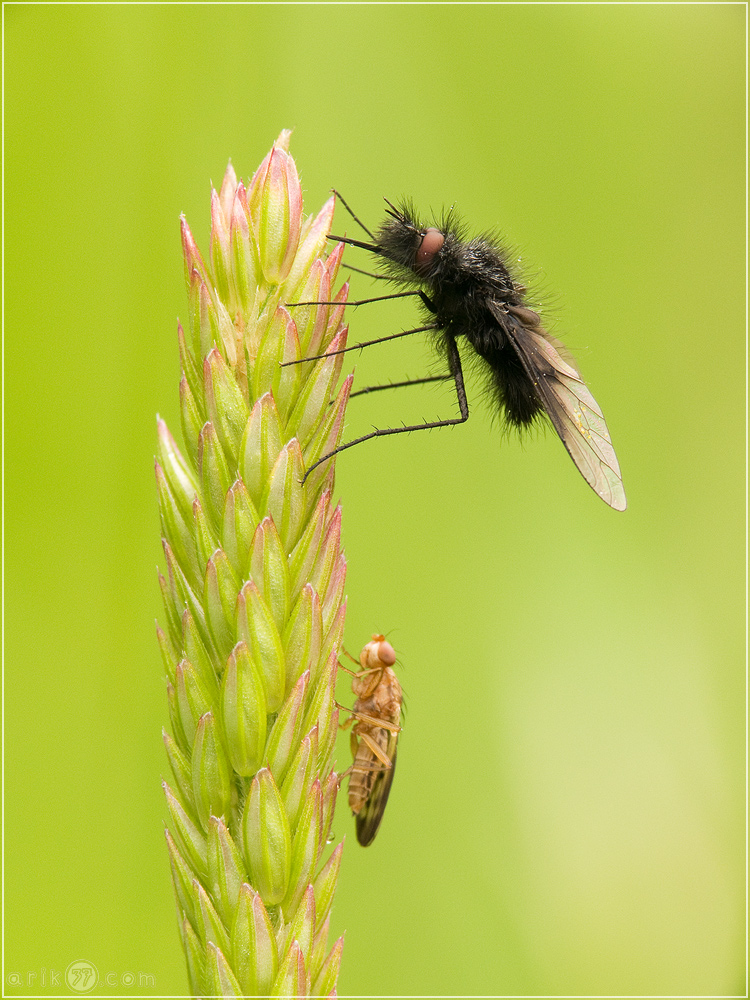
432,243
386,653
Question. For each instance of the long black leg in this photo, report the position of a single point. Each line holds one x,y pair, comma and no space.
365,343
358,221
456,373
400,385
364,302
397,385
369,274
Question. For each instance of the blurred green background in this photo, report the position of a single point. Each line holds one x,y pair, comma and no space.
568,813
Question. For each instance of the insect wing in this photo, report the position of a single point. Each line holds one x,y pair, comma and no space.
574,412
371,814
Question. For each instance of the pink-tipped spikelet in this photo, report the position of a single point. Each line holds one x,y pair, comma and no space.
254,593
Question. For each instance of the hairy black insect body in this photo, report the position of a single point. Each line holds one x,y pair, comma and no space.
466,281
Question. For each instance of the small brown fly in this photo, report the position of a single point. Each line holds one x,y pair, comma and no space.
374,737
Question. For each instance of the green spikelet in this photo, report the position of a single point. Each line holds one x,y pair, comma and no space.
253,594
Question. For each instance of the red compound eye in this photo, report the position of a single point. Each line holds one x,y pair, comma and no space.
432,242
386,653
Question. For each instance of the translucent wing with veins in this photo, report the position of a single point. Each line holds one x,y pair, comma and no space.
575,414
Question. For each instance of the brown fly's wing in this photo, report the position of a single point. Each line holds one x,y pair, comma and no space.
362,774
574,412
370,815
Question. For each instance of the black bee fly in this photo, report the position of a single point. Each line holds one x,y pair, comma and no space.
468,292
